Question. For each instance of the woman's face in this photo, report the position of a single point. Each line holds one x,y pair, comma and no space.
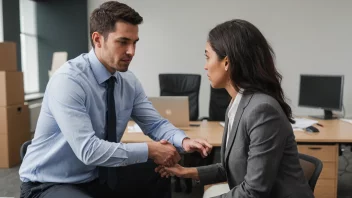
217,69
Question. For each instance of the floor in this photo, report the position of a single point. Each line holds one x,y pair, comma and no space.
9,181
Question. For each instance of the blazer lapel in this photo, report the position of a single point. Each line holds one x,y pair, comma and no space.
224,137
243,104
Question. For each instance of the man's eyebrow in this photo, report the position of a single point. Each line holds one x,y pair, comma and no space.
126,39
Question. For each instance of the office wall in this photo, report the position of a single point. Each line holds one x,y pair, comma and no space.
309,37
1,24
11,25
61,26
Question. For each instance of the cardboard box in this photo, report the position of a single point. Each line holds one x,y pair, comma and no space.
14,131
11,88
8,57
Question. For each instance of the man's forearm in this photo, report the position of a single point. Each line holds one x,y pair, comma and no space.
113,154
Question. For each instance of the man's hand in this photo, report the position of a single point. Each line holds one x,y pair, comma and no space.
163,153
200,145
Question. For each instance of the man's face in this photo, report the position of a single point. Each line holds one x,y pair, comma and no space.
118,48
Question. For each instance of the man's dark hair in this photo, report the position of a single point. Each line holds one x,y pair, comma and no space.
104,18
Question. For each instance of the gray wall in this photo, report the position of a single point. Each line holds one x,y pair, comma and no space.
1,25
61,26
11,25
309,37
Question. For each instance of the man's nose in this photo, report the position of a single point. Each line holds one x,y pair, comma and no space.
131,50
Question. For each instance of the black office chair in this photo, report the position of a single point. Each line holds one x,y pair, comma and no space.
182,85
311,167
23,149
219,101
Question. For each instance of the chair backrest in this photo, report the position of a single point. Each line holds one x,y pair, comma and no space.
23,149
182,85
311,167
219,101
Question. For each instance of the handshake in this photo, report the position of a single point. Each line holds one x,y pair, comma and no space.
166,156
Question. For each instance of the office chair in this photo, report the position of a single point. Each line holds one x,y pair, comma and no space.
311,167
23,149
219,101
182,85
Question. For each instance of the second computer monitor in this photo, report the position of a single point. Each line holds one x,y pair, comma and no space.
321,91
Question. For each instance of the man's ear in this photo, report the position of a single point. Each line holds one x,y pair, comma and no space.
97,39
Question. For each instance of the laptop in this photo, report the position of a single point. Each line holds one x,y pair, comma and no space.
173,108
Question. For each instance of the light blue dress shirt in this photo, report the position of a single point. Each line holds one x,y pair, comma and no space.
69,143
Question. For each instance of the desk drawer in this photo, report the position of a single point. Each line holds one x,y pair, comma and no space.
329,170
325,188
326,153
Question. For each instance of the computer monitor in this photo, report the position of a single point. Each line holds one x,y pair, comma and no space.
321,91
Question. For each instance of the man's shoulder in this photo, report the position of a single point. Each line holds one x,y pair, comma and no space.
75,67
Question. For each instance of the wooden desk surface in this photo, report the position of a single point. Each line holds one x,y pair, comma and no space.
211,131
333,131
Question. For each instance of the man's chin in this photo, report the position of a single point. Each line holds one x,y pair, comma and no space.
122,68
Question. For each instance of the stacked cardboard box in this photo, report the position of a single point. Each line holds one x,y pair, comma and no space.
14,114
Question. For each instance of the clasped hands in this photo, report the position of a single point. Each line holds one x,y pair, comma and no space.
166,156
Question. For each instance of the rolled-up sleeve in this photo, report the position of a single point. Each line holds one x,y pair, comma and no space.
67,103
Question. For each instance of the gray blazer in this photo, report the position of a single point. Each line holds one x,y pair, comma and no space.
261,157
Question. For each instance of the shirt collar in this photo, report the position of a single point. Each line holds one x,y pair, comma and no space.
100,72
234,104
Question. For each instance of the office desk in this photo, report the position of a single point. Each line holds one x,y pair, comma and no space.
324,145
212,131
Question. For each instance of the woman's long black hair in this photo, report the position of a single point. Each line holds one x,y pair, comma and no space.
251,59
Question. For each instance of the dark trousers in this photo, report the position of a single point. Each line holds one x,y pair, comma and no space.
138,180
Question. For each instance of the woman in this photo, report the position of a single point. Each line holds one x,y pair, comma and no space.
259,152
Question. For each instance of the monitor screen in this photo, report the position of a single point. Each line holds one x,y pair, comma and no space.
321,91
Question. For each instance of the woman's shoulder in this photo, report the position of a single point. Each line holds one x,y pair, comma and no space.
263,100
263,106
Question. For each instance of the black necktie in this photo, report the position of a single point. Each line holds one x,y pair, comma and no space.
109,173
111,114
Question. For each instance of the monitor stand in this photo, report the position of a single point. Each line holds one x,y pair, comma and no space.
327,115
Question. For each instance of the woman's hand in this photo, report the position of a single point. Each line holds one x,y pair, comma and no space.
178,171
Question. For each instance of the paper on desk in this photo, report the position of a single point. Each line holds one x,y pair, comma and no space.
302,123
134,129
347,120
222,124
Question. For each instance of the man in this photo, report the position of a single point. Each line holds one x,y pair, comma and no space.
87,104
